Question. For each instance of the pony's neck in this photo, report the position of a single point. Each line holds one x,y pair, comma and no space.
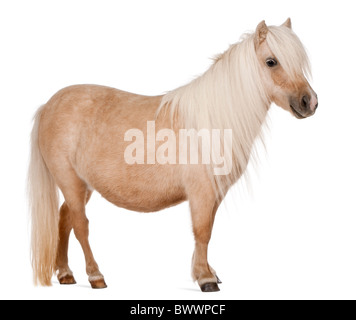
229,95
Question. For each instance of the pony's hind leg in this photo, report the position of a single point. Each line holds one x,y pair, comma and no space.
65,274
76,194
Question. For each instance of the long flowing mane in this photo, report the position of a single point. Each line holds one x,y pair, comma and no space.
231,95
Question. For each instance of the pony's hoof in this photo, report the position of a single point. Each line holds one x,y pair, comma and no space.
98,284
218,280
67,279
209,287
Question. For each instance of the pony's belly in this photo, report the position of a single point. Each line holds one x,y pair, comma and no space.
144,188
148,200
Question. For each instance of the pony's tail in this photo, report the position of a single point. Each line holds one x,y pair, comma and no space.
43,201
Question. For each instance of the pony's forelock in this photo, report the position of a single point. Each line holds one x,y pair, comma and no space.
289,51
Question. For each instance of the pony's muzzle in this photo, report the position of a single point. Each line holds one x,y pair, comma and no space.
309,101
313,103
305,107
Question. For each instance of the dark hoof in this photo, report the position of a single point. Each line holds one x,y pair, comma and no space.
217,278
209,287
98,284
67,279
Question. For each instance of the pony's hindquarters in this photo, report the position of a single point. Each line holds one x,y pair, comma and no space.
43,200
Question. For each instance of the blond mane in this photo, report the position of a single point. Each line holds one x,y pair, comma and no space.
231,95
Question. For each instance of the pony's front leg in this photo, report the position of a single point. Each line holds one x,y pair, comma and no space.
203,212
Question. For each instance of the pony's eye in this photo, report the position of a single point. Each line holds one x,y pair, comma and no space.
271,62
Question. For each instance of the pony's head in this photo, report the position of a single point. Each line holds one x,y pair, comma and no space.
284,69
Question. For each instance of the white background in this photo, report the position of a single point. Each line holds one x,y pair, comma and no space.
292,237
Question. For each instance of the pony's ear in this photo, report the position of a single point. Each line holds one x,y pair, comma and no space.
261,33
287,23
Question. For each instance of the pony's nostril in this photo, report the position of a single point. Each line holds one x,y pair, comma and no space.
305,101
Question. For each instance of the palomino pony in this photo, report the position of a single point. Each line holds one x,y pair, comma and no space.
82,136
